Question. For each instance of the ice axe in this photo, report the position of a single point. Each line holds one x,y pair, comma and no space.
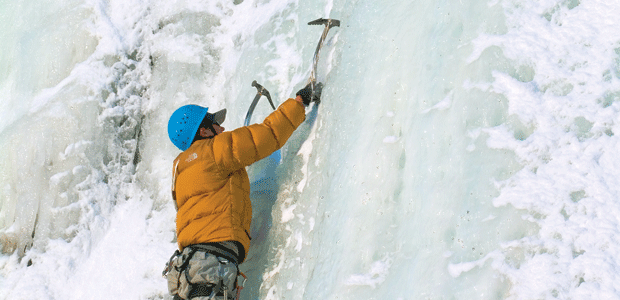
260,91
329,23
276,156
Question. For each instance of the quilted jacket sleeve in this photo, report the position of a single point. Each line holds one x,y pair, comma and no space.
243,146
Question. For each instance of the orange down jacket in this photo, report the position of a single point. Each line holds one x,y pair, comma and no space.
211,186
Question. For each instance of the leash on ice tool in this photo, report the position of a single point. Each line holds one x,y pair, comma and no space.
260,92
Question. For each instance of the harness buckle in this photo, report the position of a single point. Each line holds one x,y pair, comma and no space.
169,263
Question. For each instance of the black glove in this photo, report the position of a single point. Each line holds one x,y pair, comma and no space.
308,95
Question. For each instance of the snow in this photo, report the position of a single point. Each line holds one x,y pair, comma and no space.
377,275
462,149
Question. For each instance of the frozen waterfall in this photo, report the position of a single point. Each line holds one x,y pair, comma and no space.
462,150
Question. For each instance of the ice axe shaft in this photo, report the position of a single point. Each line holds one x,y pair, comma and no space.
260,92
329,23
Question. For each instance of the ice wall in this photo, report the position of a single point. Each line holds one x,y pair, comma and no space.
73,79
40,113
568,147
463,149
399,181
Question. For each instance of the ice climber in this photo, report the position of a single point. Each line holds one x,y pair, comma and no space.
211,191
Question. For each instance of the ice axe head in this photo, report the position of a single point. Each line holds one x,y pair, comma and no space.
262,91
327,22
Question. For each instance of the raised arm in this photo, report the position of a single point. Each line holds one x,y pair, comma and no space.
244,146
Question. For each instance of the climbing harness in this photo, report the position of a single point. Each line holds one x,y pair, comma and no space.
203,270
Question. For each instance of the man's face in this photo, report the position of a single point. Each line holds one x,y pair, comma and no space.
204,132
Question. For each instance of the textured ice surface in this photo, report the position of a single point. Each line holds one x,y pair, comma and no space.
462,150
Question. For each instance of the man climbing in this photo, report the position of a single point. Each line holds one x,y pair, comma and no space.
211,191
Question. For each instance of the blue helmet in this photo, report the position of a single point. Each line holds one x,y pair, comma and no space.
184,123
186,120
